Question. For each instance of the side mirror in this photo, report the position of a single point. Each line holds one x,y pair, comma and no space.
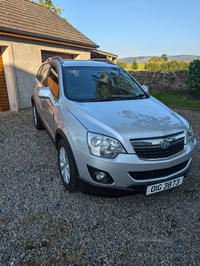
145,88
45,92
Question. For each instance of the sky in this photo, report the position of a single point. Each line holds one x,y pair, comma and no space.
130,28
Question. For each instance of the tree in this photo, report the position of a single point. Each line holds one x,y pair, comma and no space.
50,5
173,65
182,65
164,56
193,77
135,65
153,66
154,60
121,64
164,67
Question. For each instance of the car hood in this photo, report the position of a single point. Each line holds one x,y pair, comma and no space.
128,119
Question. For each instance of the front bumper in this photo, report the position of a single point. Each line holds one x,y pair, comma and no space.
120,168
94,189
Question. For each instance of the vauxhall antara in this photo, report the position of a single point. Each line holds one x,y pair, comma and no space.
112,136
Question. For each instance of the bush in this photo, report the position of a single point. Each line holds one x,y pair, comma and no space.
122,64
193,77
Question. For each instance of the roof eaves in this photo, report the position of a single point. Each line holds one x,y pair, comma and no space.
45,37
104,53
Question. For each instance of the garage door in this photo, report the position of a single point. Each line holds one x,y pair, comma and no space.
4,102
47,54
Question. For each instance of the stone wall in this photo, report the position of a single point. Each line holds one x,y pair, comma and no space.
172,81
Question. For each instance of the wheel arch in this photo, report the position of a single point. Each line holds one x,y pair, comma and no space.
61,135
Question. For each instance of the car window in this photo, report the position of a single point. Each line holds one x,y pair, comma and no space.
38,76
52,82
97,83
42,73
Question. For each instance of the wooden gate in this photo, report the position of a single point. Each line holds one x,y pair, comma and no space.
4,102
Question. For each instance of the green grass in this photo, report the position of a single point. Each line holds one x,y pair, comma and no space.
129,67
185,99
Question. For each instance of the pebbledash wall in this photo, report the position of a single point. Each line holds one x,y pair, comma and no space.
21,60
172,81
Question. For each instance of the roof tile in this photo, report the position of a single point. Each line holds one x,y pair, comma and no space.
31,18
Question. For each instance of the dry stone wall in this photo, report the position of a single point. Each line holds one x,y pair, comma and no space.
172,81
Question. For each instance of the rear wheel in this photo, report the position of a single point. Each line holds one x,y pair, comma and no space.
37,122
67,166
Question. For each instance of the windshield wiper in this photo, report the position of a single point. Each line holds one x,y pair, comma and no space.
106,99
139,96
117,98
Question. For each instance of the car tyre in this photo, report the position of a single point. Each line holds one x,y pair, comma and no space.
67,166
37,122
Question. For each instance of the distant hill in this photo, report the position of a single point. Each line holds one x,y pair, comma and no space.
144,59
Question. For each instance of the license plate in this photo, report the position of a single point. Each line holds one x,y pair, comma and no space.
163,186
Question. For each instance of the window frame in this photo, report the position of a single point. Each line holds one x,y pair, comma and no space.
49,72
44,81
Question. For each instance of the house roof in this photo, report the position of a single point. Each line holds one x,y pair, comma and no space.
103,53
30,19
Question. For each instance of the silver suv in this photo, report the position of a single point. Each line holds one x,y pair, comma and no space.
113,138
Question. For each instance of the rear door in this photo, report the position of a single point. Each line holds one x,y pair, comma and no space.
40,81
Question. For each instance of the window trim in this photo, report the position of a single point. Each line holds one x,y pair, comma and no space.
52,64
39,72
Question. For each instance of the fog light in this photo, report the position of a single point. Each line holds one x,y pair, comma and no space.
100,175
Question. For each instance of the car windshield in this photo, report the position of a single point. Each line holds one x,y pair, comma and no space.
88,84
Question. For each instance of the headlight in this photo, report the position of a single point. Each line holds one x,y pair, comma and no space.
190,132
104,146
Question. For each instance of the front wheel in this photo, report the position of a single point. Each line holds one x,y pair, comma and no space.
67,166
37,122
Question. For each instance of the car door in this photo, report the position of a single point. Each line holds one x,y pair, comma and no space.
40,81
48,107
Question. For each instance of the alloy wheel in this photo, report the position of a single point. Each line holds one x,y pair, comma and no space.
64,165
34,115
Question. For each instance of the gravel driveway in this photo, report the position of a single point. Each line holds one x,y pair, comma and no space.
42,224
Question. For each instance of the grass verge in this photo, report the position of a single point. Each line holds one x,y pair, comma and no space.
185,99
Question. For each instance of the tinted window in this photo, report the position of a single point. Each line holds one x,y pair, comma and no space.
52,82
94,83
42,73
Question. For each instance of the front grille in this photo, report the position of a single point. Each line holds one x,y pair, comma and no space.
155,152
158,173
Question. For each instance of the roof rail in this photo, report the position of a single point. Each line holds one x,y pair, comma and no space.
103,60
59,58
